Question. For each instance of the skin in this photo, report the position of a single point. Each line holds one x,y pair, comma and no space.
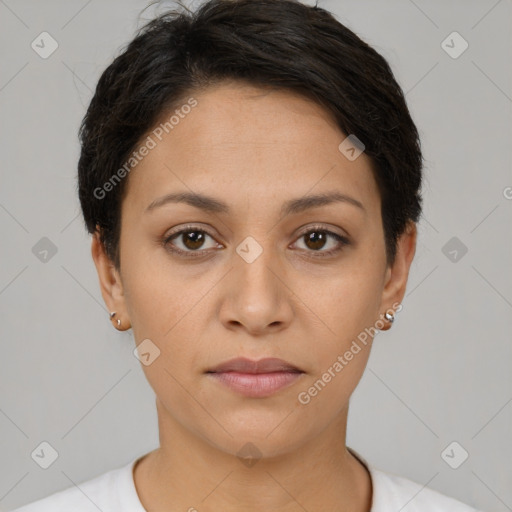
253,149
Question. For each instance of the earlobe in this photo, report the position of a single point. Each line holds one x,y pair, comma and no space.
110,284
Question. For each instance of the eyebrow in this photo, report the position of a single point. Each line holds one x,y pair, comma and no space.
292,206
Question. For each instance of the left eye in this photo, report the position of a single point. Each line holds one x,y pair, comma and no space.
316,239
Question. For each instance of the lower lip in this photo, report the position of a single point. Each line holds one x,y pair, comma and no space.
256,385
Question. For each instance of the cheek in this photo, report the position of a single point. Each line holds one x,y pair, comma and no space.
338,358
168,317
159,298
181,402
346,310
346,302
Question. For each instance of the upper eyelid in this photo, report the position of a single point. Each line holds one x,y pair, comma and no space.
319,227
304,231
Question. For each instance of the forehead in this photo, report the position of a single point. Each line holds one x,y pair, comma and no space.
241,141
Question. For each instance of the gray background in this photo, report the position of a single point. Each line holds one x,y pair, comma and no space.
442,373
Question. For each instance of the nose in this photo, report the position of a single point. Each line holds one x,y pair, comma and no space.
257,297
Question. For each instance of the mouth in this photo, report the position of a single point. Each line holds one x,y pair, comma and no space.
256,379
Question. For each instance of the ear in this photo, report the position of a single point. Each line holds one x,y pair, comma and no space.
110,283
397,274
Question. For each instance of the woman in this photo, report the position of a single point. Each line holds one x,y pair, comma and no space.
251,177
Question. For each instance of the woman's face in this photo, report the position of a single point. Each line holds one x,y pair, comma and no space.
259,276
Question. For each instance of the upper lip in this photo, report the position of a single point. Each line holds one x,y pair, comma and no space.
244,365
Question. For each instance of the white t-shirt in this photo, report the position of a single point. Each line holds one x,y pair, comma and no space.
114,491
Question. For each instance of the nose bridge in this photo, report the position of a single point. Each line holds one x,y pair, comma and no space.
258,296
256,264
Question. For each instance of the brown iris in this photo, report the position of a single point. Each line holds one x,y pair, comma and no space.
317,239
193,239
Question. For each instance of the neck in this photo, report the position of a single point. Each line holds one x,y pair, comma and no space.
189,473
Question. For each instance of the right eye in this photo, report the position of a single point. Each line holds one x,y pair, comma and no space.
188,241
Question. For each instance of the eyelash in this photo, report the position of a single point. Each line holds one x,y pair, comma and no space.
343,241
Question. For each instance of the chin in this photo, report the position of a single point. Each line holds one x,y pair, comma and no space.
256,439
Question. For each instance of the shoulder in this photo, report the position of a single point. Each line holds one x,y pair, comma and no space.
393,492
99,493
